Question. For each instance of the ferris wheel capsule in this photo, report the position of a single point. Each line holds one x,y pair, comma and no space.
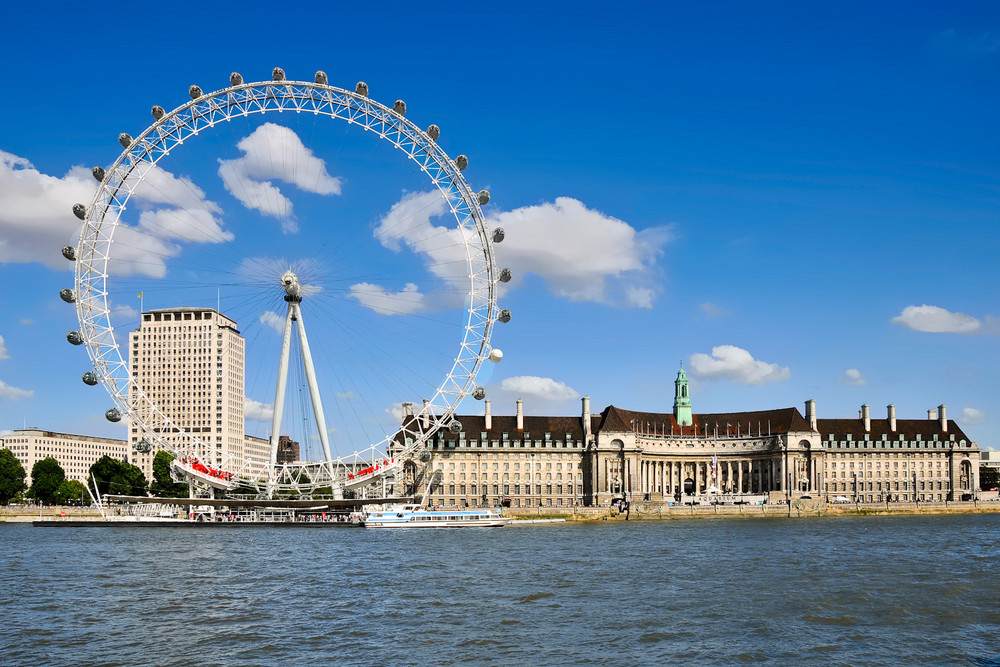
66,294
89,378
361,89
125,139
496,354
479,393
98,173
455,426
157,112
80,211
69,252
461,162
399,107
434,132
235,79
504,316
74,337
143,446
194,92
483,197
498,235
321,77
113,415
278,74
505,275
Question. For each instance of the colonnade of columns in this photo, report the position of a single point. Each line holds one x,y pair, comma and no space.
667,477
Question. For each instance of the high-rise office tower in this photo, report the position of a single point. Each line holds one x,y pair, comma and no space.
190,363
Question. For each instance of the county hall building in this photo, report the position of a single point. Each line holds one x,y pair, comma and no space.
770,455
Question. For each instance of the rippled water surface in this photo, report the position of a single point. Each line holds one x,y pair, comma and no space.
849,590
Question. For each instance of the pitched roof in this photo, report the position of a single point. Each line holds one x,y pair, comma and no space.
908,428
473,425
781,420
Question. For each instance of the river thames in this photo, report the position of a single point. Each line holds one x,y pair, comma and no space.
832,590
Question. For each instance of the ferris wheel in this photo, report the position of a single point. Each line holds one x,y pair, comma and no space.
106,235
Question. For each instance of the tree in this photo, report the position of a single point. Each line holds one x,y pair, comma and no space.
163,485
46,476
71,492
118,477
989,478
11,476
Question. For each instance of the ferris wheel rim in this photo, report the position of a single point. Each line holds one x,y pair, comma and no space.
204,112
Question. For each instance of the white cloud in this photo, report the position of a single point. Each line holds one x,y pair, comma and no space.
396,412
853,376
972,416
13,393
271,319
582,254
712,311
538,387
933,319
275,152
36,219
384,302
257,411
3,349
123,312
733,363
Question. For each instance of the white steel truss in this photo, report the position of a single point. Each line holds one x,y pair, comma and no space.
171,129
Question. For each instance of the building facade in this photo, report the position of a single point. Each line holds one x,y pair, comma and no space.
768,455
75,453
190,363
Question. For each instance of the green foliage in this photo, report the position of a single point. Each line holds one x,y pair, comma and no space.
46,476
11,477
163,485
118,477
71,492
989,478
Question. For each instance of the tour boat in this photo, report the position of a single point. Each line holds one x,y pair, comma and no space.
416,516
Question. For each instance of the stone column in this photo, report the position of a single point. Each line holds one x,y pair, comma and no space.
784,474
739,475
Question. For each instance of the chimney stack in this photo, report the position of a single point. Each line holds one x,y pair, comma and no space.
520,415
932,414
943,416
811,414
407,409
892,417
586,419
426,415
866,418
489,416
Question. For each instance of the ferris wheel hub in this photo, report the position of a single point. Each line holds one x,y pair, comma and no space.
290,282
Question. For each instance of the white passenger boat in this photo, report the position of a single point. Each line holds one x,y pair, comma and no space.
416,516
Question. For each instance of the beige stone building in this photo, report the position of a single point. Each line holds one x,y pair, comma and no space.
75,453
190,363
768,455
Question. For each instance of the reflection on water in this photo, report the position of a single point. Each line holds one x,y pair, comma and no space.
848,590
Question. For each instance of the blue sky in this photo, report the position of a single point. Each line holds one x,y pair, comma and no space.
805,197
